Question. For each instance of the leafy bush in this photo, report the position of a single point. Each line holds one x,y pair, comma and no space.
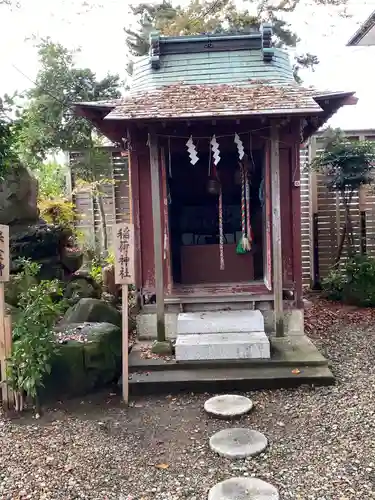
58,211
354,283
333,285
51,180
40,306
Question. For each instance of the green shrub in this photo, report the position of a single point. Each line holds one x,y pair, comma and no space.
58,211
360,281
333,285
354,283
33,337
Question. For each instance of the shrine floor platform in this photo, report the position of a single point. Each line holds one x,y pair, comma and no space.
294,361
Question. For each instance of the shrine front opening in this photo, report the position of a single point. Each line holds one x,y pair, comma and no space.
212,209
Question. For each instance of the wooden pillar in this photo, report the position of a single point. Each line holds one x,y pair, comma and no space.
313,202
157,235
276,232
296,223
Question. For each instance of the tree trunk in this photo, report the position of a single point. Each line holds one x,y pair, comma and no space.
348,202
347,230
103,224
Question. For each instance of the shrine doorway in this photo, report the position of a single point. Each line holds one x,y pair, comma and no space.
197,256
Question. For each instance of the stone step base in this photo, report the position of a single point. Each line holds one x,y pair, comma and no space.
242,321
222,346
203,380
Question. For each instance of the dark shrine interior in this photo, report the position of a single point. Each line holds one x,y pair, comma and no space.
194,217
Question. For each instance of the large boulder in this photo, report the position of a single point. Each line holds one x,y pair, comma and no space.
18,196
82,286
88,357
71,258
92,311
41,243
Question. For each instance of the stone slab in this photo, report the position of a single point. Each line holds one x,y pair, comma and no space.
228,406
243,321
203,380
238,443
146,325
222,346
294,351
243,488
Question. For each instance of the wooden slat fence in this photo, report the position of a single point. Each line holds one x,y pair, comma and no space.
115,195
323,215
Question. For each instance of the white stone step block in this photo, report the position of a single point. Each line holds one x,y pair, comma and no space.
222,346
220,322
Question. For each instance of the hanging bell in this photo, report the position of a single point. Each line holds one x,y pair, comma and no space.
213,186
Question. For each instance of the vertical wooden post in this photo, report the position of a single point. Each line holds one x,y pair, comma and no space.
5,322
134,201
296,223
158,235
313,202
276,232
125,344
124,275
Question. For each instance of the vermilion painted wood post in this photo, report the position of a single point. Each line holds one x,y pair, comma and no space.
5,324
124,276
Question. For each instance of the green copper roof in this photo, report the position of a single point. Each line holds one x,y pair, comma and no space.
217,76
228,67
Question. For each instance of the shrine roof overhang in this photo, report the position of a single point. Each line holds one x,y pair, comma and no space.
365,35
181,101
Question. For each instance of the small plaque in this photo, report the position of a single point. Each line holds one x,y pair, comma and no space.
124,254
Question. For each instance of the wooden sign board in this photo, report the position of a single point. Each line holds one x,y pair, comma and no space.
5,321
4,253
124,254
124,275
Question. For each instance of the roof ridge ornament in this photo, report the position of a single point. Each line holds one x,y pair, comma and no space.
267,46
154,52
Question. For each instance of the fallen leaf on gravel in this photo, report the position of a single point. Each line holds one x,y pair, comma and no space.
162,466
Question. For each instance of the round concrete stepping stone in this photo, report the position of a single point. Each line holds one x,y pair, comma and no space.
243,488
238,443
228,406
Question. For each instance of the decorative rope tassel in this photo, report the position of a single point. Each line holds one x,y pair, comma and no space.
244,244
221,230
248,223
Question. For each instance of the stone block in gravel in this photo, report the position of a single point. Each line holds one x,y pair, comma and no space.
237,443
243,488
228,406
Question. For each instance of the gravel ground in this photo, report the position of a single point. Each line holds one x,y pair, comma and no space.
322,441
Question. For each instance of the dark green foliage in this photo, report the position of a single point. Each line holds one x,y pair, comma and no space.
353,284
333,284
33,338
347,164
8,155
48,123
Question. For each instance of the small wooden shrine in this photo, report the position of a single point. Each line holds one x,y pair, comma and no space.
213,125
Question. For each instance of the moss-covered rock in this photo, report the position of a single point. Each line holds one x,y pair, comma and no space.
81,286
92,311
80,367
